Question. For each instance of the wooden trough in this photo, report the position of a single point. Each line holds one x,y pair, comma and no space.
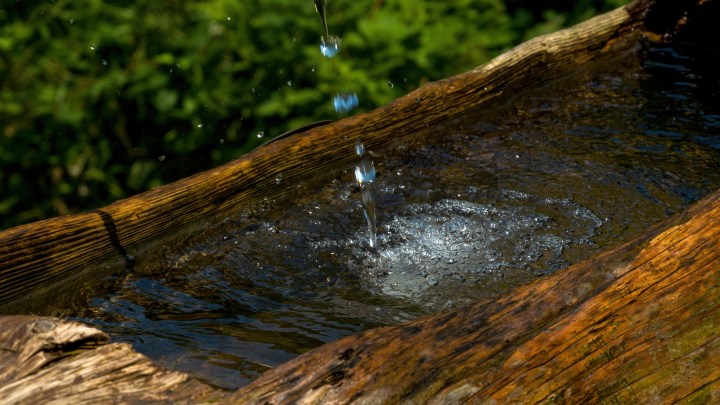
637,323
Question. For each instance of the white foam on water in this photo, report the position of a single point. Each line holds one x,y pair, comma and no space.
436,246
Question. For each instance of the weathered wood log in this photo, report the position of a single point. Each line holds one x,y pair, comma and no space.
39,260
638,323
45,360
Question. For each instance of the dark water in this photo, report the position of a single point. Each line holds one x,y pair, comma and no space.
467,212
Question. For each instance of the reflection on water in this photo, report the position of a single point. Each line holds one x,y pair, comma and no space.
464,213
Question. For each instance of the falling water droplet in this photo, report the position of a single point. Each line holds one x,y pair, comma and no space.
390,84
329,46
365,174
260,134
360,149
345,102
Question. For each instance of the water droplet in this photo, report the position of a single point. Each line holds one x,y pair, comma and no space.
289,82
360,148
390,84
365,174
278,179
72,21
313,69
104,62
345,102
228,18
222,140
92,47
199,125
329,46
161,158
260,134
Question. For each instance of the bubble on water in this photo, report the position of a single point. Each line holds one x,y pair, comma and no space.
261,134
329,46
344,102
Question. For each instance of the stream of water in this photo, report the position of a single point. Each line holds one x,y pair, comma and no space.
465,212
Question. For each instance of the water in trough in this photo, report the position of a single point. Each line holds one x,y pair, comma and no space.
465,212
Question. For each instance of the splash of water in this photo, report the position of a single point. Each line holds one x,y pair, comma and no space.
365,175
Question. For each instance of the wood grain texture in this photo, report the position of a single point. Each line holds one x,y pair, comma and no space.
41,259
48,360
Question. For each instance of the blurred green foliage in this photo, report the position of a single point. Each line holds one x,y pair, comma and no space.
104,99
